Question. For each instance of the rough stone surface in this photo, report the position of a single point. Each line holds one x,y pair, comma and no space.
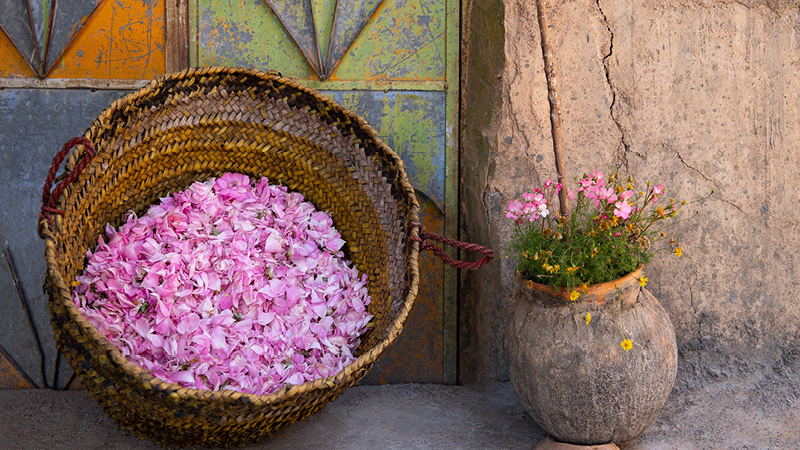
699,95
365,417
723,416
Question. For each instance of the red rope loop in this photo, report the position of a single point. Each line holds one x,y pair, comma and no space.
49,198
424,237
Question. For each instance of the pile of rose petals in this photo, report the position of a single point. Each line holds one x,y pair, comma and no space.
228,285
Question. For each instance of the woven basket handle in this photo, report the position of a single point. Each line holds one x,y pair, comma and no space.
49,198
424,244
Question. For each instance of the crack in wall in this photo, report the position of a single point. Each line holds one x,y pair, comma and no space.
484,194
707,178
625,142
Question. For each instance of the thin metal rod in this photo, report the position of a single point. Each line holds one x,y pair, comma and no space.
555,113
27,313
55,370
70,381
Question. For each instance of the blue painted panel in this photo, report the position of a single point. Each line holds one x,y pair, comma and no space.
34,124
413,124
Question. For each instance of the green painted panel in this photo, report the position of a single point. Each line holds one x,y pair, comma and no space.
405,40
297,18
323,19
412,124
247,34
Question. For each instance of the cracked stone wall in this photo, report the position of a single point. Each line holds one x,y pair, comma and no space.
699,95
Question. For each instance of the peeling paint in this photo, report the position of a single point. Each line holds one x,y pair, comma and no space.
413,125
401,40
121,40
264,43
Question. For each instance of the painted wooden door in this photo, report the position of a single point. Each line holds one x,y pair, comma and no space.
99,49
395,63
76,43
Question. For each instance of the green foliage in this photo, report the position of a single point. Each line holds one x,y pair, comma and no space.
612,229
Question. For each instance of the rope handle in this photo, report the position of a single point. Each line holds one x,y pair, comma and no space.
424,244
49,198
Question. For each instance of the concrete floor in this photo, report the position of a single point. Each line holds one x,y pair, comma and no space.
730,415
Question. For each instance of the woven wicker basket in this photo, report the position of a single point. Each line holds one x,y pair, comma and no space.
192,126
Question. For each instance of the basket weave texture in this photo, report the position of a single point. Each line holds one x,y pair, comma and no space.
201,123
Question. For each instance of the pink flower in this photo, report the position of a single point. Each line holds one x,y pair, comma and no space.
571,195
514,210
657,190
598,192
622,208
226,284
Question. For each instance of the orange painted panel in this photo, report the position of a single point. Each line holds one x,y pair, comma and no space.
11,62
121,40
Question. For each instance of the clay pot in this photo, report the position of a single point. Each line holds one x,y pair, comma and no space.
576,380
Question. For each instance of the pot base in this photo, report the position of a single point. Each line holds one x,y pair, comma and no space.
549,443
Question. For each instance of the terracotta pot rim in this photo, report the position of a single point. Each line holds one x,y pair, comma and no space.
607,286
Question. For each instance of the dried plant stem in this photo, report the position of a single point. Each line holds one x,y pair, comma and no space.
555,114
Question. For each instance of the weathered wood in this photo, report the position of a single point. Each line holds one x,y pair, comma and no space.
16,22
555,113
11,374
297,18
26,309
66,19
177,35
348,21
71,83
575,379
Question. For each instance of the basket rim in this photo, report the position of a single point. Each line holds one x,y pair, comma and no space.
147,380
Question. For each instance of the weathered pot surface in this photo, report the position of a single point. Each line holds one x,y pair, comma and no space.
574,378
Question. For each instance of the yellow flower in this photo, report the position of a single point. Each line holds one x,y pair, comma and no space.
574,295
594,252
627,344
588,318
530,284
585,287
572,269
549,268
679,252
643,281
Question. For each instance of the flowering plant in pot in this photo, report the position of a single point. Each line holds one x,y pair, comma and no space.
585,340
612,229
591,353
